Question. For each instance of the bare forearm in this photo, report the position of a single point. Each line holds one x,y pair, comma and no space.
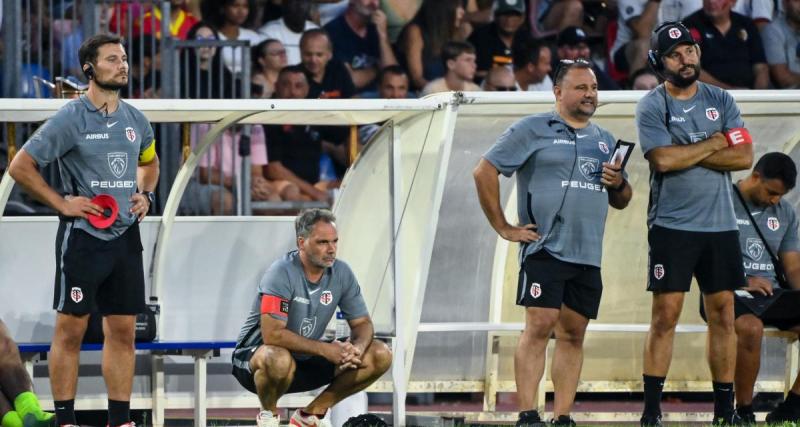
705,77
680,157
387,53
276,171
289,340
361,336
23,170
618,199
645,23
147,175
736,158
762,76
215,176
363,77
791,266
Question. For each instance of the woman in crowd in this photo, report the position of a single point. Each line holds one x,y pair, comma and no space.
268,58
229,18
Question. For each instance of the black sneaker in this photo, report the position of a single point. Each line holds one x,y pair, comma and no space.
649,420
783,413
747,415
563,420
530,419
729,419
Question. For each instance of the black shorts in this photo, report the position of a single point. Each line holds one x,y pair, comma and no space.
740,308
714,258
547,282
309,374
94,275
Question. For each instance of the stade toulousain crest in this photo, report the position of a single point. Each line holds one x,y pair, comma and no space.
658,271
76,294
773,223
326,297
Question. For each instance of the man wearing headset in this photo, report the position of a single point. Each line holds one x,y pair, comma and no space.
101,145
565,184
692,135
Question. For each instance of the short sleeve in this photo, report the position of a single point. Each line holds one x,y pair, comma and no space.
790,241
773,40
275,282
54,138
352,302
650,119
733,118
148,138
512,148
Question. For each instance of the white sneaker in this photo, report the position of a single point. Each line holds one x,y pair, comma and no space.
308,421
266,419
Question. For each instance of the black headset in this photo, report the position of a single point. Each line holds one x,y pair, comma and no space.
88,70
654,55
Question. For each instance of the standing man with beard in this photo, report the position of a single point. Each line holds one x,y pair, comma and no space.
564,186
94,139
693,136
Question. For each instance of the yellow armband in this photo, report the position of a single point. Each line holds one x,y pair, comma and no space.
148,154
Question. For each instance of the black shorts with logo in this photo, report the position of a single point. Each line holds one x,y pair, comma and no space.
309,374
547,282
714,258
95,275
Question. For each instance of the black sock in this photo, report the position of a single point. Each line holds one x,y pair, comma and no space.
118,412
65,411
653,387
723,398
793,399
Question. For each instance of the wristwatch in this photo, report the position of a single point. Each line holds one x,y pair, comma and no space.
151,197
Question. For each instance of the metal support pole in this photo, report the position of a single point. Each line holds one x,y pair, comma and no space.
12,55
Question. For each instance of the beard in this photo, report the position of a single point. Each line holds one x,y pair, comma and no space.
683,82
110,85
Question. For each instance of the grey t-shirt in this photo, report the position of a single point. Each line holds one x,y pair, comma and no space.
778,224
696,198
542,149
311,306
96,154
782,44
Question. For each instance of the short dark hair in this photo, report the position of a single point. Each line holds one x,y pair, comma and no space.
527,53
777,165
291,69
395,70
452,50
90,47
567,64
305,222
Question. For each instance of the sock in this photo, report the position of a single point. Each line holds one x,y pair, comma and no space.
793,399
723,398
653,387
11,419
533,413
118,412
65,411
27,403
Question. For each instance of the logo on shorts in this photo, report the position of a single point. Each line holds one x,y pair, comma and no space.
118,163
130,134
536,290
588,167
674,33
326,297
603,146
76,294
773,224
712,114
754,248
658,271
308,326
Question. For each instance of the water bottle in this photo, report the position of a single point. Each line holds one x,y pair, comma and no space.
342,328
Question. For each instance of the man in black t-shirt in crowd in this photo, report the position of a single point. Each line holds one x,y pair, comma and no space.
495,43
327,77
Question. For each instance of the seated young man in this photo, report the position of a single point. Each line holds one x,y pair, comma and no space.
281,347
18,405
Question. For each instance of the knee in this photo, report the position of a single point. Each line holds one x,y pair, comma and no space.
381,356
121,331
749,331
9,353
275,362
539,327
664,321
70,330
571,335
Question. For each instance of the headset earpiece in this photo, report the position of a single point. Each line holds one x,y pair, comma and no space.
654,61
88,70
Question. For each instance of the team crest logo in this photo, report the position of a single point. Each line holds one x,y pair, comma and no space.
326,297
536,290
130,134
76,294
773,224
658,271
754,248
603,146
674,33
588,167
308,326
712,114
118,163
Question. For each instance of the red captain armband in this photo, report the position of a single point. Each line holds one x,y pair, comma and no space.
738,136
270,304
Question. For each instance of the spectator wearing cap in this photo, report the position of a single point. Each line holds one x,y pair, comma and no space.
495,43
532,66
573,44
733,56
637,19
782,46
459,60
500,79
361,41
